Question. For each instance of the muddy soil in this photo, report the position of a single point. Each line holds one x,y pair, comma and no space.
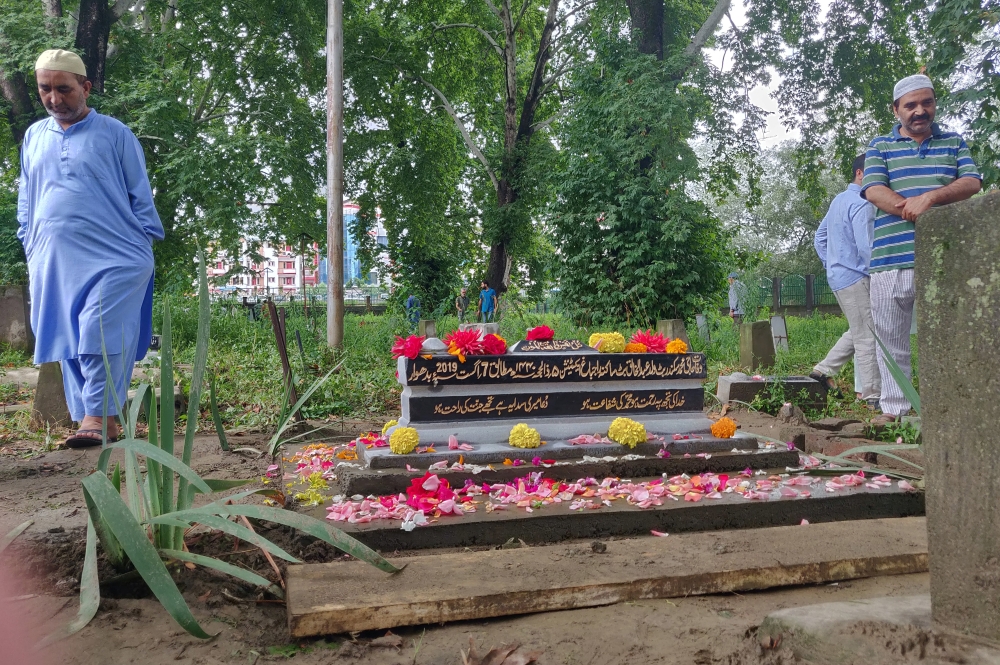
42,569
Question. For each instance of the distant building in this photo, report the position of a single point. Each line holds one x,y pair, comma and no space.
282,270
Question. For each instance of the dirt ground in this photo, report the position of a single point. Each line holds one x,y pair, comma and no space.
43,565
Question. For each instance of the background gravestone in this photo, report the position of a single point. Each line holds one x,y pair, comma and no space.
779,332
756,345
15,322
673,329
49,407
427,328
703,328
958,290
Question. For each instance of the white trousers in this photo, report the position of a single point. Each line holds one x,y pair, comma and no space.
858,342
893,293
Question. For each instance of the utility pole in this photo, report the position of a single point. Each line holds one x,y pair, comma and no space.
335,173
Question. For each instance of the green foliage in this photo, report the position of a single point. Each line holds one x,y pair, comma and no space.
145,529
13,265
965,49
633,245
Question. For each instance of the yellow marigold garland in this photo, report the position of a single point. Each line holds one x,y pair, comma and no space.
677,346
403,440
522,436
723,428
612,342
391,423
635,347
627,432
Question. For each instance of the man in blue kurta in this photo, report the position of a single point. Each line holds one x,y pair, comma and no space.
86,218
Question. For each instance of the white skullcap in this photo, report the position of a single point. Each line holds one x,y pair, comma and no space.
58,60
909,84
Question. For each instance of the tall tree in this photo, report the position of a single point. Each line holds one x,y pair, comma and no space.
492,69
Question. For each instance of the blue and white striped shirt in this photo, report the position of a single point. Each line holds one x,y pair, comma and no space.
910,170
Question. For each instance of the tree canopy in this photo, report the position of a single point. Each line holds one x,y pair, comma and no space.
511,140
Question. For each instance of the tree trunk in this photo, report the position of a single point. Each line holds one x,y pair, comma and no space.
92,31
52,8
22,109
647,26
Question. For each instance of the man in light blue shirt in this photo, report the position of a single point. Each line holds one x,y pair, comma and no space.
87,221
844,245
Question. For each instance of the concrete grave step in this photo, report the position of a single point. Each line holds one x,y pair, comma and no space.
366,481
556,522
496,453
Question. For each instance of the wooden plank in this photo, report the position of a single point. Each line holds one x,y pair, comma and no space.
341,597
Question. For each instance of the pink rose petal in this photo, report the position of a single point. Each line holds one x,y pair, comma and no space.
659,534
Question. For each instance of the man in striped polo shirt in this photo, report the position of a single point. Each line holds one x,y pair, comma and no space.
915,167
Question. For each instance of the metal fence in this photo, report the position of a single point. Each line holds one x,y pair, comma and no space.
798,293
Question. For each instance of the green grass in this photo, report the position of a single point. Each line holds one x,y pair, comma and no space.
11,358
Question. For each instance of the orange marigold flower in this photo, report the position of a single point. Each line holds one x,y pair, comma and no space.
724,428
635,347
677,346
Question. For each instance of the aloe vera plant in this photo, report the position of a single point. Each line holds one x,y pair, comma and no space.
140,516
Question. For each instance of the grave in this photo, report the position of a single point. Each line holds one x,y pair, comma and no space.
741,387
427,328
958,291
756,345
561,388
703,328
779,332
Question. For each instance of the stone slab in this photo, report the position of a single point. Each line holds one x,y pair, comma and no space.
735,387
427,328
26,376
484,328
833,424
871,630
779,333
342,597
958,296
568,367
364,481
756,345
557,522
496,453
536,404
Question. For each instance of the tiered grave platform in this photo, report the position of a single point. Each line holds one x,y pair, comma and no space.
561,388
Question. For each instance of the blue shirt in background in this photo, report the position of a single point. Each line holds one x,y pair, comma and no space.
844,238
487,295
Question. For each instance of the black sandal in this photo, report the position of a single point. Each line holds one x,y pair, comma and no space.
827,382
77,441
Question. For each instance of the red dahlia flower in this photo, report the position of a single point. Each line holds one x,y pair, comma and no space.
463,343
494,345
540,333
654,342
409,347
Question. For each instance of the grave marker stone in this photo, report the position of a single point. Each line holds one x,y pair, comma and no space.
674,329
427,328
958,288
15,318
49,406
779,331
703,330
756,345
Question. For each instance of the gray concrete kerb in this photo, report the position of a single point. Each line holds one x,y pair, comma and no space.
849,632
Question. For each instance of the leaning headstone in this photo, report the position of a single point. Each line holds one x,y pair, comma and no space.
427,328
673,329
756,345
703,330
779,331
15,327
958,288
49,407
